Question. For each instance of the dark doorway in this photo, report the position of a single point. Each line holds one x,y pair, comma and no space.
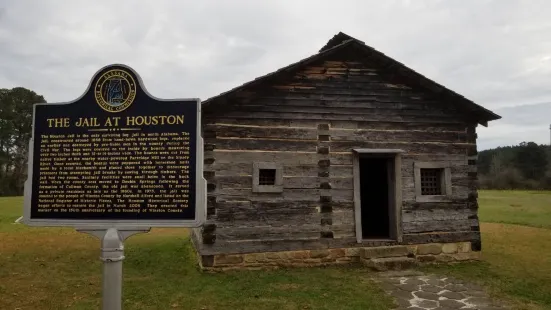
376,187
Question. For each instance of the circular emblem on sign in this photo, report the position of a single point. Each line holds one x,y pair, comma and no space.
115,90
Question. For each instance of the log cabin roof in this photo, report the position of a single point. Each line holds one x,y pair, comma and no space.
341,41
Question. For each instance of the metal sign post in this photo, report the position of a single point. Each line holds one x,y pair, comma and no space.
112,256
114,163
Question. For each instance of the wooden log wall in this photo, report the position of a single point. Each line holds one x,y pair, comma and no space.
309,122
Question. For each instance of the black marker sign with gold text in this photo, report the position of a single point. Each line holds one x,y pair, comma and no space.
116,156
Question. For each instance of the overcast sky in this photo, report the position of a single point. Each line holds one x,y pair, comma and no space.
496,53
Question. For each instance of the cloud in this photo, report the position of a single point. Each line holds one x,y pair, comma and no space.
494,52
523,123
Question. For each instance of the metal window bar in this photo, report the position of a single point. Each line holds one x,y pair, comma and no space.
431,181
266,176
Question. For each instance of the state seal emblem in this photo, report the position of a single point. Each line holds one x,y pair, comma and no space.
115,90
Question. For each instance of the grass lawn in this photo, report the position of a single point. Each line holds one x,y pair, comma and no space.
516,259
57,268
530,208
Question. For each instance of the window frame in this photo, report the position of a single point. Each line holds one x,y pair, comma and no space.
446,188
278,185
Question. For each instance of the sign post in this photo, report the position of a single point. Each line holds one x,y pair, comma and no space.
112,255
114,163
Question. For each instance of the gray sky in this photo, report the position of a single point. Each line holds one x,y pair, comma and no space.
494,52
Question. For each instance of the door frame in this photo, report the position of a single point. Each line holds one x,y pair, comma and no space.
395,201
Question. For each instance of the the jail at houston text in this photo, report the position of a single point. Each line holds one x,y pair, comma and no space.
116,121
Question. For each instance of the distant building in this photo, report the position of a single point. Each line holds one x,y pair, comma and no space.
344,156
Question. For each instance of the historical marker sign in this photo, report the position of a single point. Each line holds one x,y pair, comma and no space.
116,157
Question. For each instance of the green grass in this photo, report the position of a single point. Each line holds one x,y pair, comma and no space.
57,268
530,208
516,259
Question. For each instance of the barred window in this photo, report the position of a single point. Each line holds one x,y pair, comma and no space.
266,176
431,181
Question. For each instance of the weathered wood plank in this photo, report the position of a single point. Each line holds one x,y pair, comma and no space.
217,118
343,217
441,214
429,126
227,219
289,182
441,237
397,135
312,123
345,112
226,181
243,169
358,88
409,147
367,87
252,214
246,169
374,117
286,157
235,131
313,171
367,103
343,230
222,246
314,182
451,206
462,180
409,158
265,144
309,195
311,231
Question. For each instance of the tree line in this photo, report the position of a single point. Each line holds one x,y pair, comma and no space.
16,109
523,166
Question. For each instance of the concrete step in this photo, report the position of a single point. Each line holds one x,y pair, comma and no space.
389,263
384,251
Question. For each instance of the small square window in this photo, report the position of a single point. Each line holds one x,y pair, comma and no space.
266,176
431,181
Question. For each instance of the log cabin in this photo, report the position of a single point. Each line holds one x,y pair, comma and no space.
345,156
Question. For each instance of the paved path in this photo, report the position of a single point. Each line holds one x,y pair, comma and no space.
416,291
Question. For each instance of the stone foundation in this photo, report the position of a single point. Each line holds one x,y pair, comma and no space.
421,253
